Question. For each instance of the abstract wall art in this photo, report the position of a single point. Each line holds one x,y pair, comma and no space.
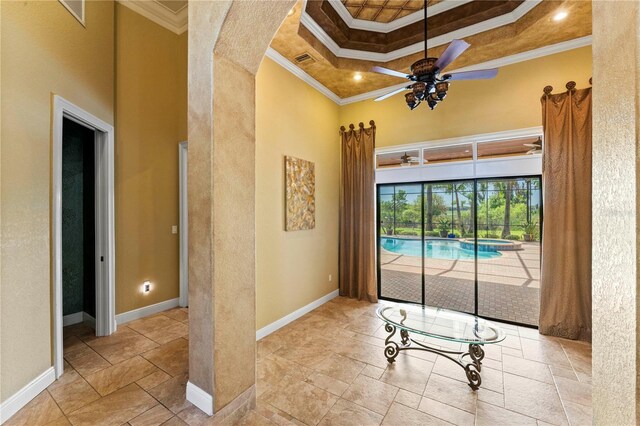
300,194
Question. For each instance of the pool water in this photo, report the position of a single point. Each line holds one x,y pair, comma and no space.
435,249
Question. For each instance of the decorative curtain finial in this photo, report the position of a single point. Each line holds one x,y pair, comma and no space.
547,90
571,86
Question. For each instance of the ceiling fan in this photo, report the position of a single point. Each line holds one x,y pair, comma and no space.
428,83
536,147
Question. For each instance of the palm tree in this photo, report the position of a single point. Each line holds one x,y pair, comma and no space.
506,229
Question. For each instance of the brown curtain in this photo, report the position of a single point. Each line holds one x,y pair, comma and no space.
357,218
565,288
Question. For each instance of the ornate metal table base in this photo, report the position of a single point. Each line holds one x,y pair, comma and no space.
470,361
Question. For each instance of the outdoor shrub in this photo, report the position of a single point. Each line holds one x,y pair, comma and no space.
406,232
431,233
512,237
468,235
491,235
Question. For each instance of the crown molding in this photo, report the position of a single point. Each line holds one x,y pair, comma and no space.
500,62
161,15
499,21
382,27
298,72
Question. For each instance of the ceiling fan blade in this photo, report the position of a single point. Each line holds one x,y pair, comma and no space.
387,71
532,145
474,75
534,151
388,95
455,49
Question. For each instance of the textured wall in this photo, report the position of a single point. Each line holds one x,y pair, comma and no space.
293,268
44,51
616,156
151,111
510,101
222,250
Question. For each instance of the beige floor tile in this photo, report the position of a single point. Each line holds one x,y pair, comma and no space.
410,399
372,394
275,370
153,380
309,354
169,333
446,412
75,393
154,416
252,418
327,383
408,373
363,352
122,345
346,413
120,375
577,414
490,415
570,391
60,421
302,401
39,411
172,357
72,343
150,324
491,397
177,314
451,392
174,421
114,409
372,371
89,363
533,398
546,351
565,372
341,368
400,415
267,346
527,368
80,330
172,393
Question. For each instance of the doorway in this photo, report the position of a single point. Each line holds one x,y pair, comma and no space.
83,203
78,224
469,245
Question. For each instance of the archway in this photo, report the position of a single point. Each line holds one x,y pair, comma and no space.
227,41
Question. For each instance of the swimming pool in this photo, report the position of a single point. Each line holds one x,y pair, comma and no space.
435,249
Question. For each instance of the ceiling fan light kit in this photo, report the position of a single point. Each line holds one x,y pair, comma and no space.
429,86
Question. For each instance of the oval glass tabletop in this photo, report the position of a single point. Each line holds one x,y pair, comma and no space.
441,324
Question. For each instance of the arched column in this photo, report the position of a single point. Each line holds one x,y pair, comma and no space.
227,41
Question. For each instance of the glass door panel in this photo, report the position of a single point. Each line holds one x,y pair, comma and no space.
449,269
400,236
509,217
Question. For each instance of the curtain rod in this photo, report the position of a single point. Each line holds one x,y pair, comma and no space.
361,125
571,86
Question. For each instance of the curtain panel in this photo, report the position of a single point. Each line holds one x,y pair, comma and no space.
357,259
565,288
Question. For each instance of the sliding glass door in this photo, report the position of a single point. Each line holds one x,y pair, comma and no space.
430,253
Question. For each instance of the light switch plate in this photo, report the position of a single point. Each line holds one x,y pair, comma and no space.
174,229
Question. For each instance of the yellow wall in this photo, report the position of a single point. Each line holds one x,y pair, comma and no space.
151,109
45,51
293,119
510,101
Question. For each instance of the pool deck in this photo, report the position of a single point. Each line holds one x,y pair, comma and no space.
508,286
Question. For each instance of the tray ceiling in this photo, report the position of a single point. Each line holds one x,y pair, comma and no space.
381,10
495,29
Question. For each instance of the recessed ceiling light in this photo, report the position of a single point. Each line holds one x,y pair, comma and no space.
357,76
292,11
560,16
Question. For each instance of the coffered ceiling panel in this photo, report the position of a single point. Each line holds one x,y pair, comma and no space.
382,10
495,29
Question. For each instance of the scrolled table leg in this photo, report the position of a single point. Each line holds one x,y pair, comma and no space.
391,349
477,355
473,375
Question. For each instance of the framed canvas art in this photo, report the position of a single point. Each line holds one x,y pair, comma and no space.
300,194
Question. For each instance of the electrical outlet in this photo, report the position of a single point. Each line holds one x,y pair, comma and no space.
146,287
174,229
330,278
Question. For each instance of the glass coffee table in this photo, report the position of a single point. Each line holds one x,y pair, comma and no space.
441,324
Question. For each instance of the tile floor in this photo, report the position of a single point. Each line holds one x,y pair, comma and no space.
325,368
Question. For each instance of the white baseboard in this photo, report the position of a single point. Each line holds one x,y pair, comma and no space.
266,330
146,311
89,320
72,319
18,400
200,398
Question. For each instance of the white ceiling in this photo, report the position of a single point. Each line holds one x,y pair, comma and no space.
171,14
